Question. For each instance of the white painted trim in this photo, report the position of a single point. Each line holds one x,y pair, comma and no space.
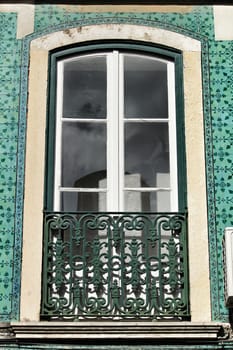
81,189
147,189
25,20
85,120
223,22
58,138
19,332
182,331
147,120
116,120
172,136
228,265
121,151
117,31
112,131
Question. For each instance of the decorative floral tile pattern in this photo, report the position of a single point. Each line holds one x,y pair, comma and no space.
8,25
10,59
221,86
217,61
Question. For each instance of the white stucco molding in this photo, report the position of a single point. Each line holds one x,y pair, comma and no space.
126,8
223,22
228,265
21,332
35,156
25,20
116,31
182,331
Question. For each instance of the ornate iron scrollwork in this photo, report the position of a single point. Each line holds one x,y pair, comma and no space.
115,266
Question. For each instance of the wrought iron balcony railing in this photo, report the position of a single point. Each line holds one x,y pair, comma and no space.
114,266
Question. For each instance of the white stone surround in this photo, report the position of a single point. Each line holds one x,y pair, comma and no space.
21,332
35,155
223,22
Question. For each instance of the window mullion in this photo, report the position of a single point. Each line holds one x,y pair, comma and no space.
172,135
58,149
121,154
112,131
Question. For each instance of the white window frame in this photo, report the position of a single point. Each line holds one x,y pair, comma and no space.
115,122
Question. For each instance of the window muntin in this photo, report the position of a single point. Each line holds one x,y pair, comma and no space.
115,133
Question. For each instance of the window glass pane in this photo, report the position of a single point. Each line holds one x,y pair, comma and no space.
83,201
83,154
84,90
147,155
145,88
158,201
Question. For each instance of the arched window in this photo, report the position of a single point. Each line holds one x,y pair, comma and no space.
113,149
115,119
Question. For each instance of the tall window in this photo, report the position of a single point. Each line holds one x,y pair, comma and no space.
115,145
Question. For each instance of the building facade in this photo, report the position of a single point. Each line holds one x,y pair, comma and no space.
116,176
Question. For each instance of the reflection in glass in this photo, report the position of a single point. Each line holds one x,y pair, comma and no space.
83,201
145,87
147,154
83,154
158,201
84,88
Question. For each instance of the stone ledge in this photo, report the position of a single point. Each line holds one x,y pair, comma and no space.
117,330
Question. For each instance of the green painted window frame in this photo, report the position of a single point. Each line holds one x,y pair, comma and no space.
129,46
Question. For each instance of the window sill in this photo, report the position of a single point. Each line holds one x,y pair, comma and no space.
157,331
